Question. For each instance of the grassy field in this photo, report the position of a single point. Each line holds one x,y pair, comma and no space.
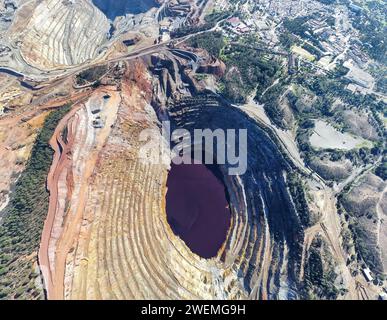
304,53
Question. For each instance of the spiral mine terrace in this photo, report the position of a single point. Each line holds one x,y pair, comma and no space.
106,235
63,33
92,203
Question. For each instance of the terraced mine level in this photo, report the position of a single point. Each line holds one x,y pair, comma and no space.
63,33
107,234
266,232
306,218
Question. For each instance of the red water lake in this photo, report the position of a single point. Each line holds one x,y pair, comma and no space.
197,208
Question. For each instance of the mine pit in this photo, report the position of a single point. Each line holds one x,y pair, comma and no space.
197,208
116,8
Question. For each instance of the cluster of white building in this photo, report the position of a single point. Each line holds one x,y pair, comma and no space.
238,26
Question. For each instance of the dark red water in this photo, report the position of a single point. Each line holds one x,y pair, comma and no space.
197,208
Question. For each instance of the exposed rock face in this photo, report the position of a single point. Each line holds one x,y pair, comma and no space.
63,33
360,123
107,235
264,242
178,8
75,159
331,170
51,35
14,153
215,67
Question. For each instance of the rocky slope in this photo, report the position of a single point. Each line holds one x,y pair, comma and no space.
108,217
63,33
53,34
107,236
266,226
366,203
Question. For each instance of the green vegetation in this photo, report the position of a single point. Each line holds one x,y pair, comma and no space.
212,42
363,247
312,97
299,28
329,88
366,251
297,190
186,30
288,40
271,100
373,29
247,70
381,171
216,16
319,273
91,76
340,71
381,84
296,26
312,50
22,224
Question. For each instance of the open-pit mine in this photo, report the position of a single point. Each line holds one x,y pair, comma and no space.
85,214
